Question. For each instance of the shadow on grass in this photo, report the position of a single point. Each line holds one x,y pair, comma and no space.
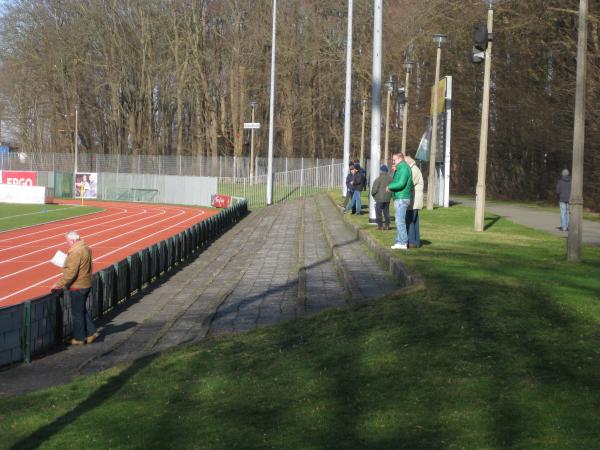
490,222
95,400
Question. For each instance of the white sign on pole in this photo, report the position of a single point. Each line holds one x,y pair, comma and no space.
251,126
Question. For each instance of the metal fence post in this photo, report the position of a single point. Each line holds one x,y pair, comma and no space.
27,331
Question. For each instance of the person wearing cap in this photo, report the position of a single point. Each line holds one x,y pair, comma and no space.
357,182
563,189
416,203
349,186
77,278
382,198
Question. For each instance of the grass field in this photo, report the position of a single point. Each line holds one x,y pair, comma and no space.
499,350
18,216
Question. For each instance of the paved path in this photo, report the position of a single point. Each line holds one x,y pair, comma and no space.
279,263
537,218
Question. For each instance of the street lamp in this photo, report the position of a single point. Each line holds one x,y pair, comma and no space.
390,89
348,104
76,135
408,65
485,116
272,109
362,135
438,39
253,106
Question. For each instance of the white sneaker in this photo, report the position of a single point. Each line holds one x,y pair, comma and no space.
399,246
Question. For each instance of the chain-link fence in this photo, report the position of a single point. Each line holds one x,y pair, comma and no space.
200,166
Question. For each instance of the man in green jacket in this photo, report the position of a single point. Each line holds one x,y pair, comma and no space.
401,188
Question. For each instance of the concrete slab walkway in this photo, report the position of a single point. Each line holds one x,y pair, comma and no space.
281,262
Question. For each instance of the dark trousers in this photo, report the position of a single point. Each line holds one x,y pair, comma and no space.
412,227
382,209
82,322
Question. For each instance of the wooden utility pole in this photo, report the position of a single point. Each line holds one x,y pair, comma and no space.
483,137
576,200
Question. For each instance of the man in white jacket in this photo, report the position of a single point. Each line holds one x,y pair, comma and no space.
416,203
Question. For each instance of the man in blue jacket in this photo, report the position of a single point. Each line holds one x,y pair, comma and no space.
401,188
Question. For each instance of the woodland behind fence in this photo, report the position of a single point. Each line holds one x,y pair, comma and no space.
176,77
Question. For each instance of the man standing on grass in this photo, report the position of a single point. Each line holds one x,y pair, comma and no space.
401,189
77,277
563,189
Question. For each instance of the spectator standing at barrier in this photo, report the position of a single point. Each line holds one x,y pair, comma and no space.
563,189
401,188
349,186
416,203
77,278
382,198
357,183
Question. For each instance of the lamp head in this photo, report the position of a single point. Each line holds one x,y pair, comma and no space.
440,39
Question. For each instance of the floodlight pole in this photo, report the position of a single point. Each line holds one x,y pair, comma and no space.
272,109
253,106
483,139
434,131
76,135
348,106
362,134
376,101
408,67
576,200
386,145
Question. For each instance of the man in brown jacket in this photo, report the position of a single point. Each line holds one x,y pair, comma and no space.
77,277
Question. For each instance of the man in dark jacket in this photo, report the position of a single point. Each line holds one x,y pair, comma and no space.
382,198
357,182
349,186
563,189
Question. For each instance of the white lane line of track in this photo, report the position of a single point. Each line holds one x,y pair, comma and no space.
2,299
61,235
17,272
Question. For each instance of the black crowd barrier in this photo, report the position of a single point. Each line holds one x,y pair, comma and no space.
35,326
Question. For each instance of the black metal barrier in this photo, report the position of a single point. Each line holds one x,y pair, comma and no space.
33,327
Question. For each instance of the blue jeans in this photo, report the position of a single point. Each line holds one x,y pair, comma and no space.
355,202
82,322
412,224
400,207
564,215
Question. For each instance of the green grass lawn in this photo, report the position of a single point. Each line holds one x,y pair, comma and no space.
499,349
17,216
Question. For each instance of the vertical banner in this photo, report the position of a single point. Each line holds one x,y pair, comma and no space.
86,185
442,153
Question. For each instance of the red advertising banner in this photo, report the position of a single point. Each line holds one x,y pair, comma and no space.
221,201
19,177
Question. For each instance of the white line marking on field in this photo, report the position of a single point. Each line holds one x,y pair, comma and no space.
37,212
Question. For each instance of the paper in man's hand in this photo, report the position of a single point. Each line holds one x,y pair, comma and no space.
59,259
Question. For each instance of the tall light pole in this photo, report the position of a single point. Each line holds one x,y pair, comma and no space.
390,89
348,106
272,109
76,146
376,100
408,65
362,134
485,115
576,200
253,106
439,39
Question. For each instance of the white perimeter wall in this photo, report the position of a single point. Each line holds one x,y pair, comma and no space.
15,193
184,190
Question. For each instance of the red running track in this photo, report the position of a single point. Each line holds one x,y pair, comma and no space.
113,234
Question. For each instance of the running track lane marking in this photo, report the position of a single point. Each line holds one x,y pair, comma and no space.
91,245
2,299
